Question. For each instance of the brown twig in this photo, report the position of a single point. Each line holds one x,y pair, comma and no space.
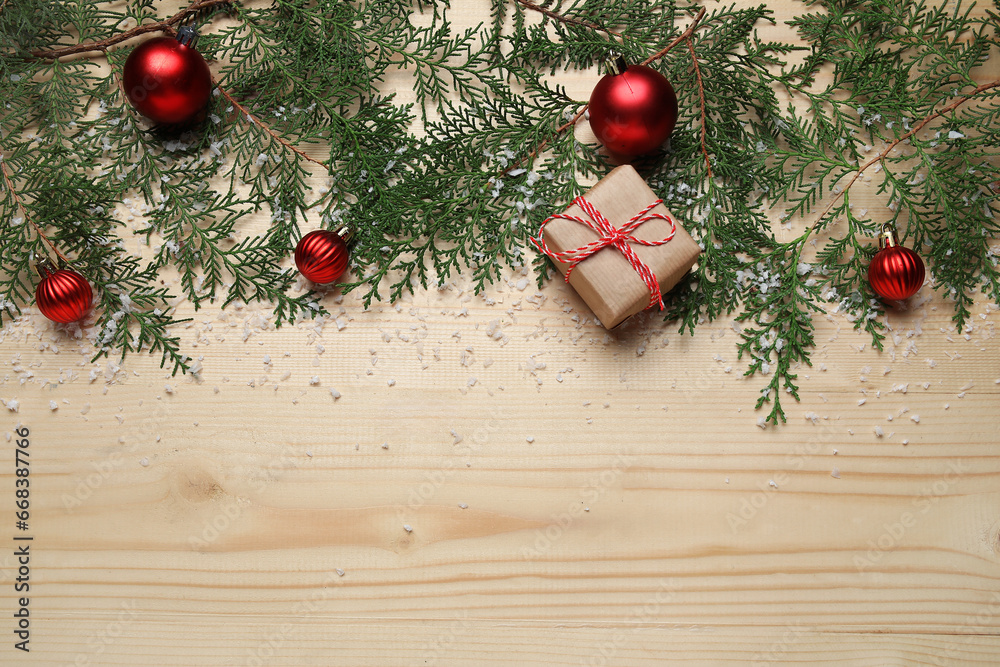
701,97
545,142
104,44
916,128
24,209
686,35
274,135
565,19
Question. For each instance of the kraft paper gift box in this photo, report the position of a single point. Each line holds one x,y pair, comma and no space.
606,280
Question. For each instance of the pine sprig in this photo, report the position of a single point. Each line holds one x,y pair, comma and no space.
458,181
134,317
780,336
899,71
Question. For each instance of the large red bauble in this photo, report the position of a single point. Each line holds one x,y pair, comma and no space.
633,113
321,256
166,81
63,296
896,272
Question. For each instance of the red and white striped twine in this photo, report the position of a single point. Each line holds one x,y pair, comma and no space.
620,238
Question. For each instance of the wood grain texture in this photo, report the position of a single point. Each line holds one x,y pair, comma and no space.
501,481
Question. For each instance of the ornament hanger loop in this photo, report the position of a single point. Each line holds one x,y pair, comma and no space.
615,63
888,238
44,266
187,35
345,232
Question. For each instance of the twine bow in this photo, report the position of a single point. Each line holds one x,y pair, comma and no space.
621,238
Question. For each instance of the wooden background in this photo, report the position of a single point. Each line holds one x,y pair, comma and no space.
503,481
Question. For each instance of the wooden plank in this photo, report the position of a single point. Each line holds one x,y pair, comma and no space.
501,480
312,639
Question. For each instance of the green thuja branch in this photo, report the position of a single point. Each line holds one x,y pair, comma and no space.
301,130
903,101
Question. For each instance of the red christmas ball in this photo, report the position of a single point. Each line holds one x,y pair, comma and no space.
896,272
321,256
633,112
64,295
167,81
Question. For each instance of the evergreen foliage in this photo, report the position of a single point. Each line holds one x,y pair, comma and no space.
299,94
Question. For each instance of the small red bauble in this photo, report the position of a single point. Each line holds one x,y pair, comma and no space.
634,111
63,296
167,80
896,272
322,256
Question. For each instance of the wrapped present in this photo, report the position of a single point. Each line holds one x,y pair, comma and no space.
618,247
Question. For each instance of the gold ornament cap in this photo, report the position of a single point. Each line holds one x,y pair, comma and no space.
616,64
45,267
345,232
888,237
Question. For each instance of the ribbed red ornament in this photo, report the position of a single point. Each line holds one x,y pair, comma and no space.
634,111
167,81
322,256
896,272
63,296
